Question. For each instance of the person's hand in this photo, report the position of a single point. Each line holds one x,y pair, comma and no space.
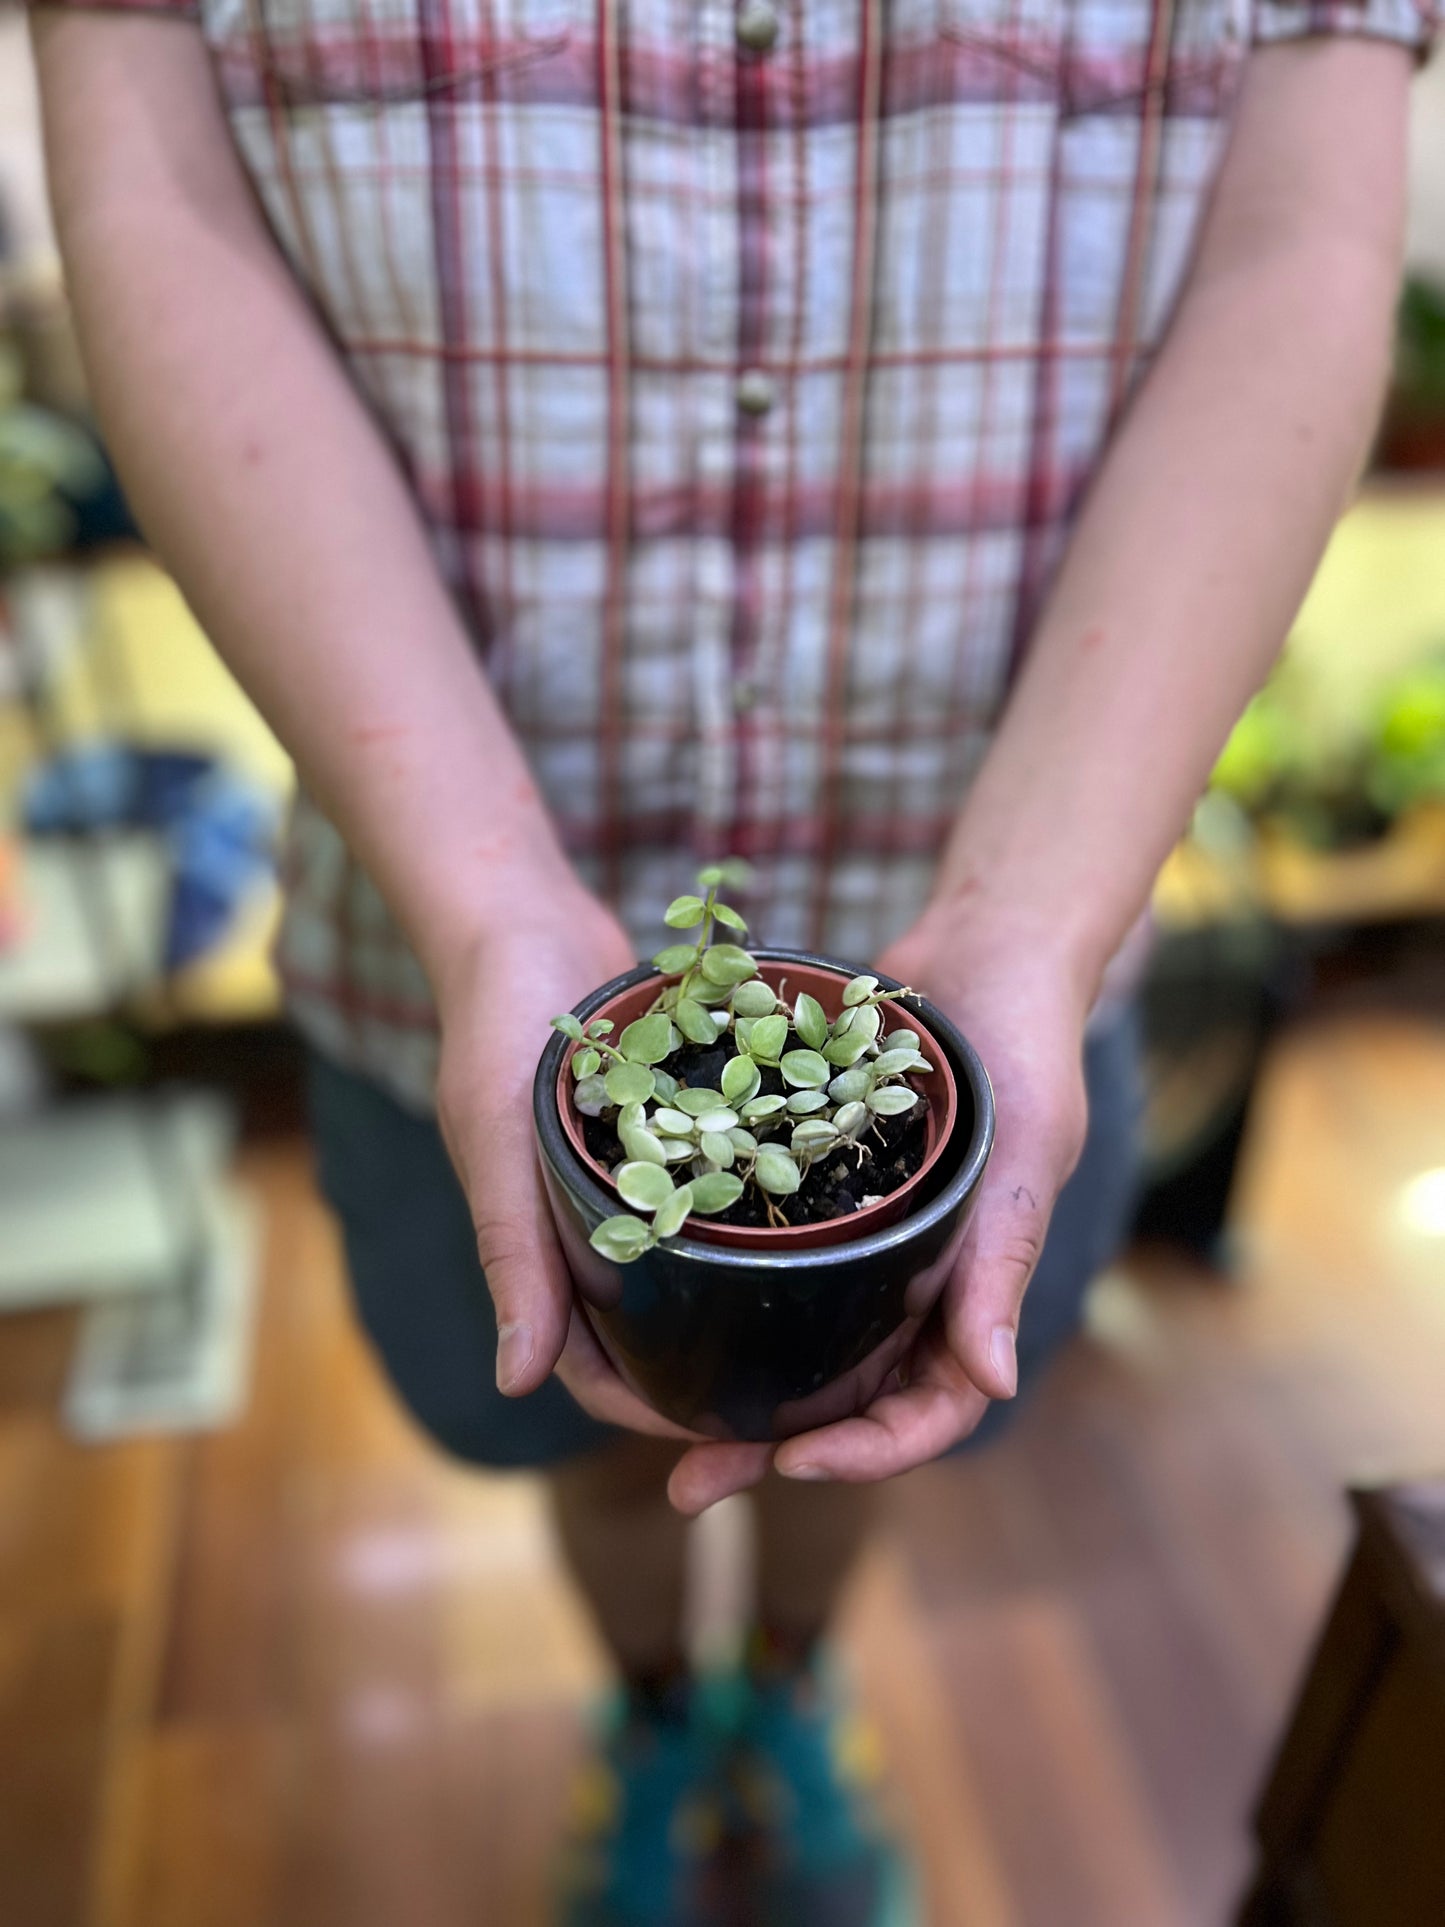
1024,1015
553,945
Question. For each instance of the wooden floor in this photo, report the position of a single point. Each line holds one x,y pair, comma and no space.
302,1674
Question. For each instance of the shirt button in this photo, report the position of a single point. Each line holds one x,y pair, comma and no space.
757,26
754,391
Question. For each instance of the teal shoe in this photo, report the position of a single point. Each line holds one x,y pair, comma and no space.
803,1770
646,1824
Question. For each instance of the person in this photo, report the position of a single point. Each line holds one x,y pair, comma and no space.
886,443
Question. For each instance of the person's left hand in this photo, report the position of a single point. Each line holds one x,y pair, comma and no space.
1021,1009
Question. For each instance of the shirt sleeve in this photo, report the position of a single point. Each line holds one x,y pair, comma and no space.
1409,23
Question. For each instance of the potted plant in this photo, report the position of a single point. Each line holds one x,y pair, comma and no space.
760,1165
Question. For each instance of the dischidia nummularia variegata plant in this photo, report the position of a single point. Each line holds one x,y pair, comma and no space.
698,1150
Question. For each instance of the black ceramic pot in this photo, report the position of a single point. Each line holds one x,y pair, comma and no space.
751,1344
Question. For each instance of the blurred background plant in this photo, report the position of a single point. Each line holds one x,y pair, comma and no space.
48,468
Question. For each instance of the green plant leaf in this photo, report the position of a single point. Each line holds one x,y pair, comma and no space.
695,1102
683,912
631,1117
775,1171
664,1086
709,994
715,1191
753,998
901,1040
863,1020
846,1050
800,1103
590,1097
758,1108
642,1146
810,1021
740,1080
642,1184
848,1086
668,1219
622,1238
648,1040
725,913
728,963
675,958
569,1025
893,1063
694,1022
670,1122
804,1068
717,1148
601,1027
813,1135
892,1100
850,1119
585,1063
767,1038
629,1083
742,1141
678,1150
859,989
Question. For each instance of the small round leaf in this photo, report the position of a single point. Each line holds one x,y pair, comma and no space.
590,1097
709,994
642,1185
849,1086
678,1150
775,1171
569,1025
715,1191
810,1021
893,1063
664,1086
717,1148
694,1022
850,1119
742,1140
846,1050
892,1100
648,1040
629,1083
813,1135
631,1117
670,1122
601,1027
859,990
642,1147
669,1216
675,958
805,1068
695,1102
740,1080
802,1102
901,1040
622,1238
727,963
725,913
753,999
683,912
767,1038
585,1063
760,1107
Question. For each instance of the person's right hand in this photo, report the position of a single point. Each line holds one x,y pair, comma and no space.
553,945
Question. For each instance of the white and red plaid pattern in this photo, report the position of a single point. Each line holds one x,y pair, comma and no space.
748,382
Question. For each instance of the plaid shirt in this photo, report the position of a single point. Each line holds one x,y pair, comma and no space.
748,359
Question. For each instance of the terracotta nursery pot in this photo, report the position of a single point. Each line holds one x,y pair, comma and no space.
754,1333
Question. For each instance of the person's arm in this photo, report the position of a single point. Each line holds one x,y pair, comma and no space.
1190,558
270,493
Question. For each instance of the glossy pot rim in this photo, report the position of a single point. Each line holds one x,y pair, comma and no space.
745,1260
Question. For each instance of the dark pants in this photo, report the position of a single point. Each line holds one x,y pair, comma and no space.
424,1301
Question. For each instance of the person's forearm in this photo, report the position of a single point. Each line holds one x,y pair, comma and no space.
1200,536
267,489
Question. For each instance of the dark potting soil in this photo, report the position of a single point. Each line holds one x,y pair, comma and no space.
833,1187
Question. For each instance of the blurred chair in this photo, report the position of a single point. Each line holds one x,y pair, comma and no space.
1351,1825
